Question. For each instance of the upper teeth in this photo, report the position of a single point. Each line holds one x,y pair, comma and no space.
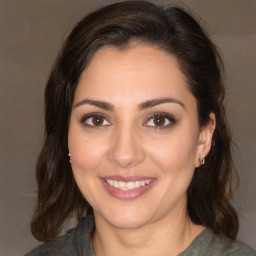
128,185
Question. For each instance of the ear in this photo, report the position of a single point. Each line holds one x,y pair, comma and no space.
205,139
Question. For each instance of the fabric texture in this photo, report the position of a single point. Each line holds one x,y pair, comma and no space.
77,242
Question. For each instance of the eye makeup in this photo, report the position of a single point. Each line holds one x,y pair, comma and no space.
95,120
160,120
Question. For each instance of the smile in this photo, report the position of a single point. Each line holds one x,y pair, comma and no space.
128,185
126,188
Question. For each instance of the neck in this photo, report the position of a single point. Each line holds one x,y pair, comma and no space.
169,236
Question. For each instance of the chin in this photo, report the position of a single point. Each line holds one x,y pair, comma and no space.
126,219
127,223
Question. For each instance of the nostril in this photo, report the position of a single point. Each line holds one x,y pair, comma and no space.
126,160
126,148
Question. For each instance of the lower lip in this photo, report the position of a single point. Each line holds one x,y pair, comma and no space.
127,194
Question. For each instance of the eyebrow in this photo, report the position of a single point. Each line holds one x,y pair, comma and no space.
144,105
155,102
97,103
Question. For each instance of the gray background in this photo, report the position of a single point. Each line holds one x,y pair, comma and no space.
31,34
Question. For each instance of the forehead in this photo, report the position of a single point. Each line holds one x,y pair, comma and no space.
135,59
139,72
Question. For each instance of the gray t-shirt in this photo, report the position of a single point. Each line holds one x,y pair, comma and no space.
77,242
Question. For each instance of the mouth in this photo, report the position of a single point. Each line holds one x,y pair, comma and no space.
127,187
130,185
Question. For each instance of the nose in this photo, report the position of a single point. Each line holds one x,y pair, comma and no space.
126,148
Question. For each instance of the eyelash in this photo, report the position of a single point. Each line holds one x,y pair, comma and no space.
85,119
166,116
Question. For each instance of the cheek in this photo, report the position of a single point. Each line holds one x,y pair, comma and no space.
86,157
86,153
175,153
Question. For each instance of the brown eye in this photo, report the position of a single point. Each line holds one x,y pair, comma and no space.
97,120
94,120
159,121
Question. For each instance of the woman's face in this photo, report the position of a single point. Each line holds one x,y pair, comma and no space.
134,137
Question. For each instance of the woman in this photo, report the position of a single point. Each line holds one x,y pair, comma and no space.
137,147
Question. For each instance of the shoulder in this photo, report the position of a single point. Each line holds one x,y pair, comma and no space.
210,244
226,246
75,242
34,252
63,245
238,248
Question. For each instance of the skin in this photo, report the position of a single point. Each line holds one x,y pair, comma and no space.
128,142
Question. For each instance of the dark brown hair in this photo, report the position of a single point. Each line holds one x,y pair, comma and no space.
119,25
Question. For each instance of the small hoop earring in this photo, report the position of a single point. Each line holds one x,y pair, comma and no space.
202,160
69,157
